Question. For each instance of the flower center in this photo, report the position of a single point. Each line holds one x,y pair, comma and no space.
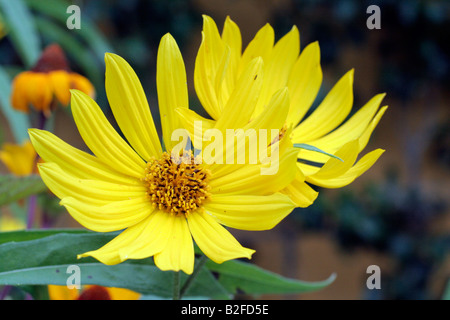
176,184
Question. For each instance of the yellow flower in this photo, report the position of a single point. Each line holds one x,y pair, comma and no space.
91,292
10,223
19,159
219,65
49,81
160,202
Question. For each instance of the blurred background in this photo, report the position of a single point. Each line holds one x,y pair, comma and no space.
396,216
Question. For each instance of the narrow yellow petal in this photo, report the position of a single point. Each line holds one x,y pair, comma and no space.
130,107
73,161
334,167
278,67
179,251
329,114
364,164
153,238
90,191
210,66
214,240
250,212
304,83
352,128
243,99
172,87
102,139
109,254
260,46
231,37
249,179
195,124
275,113
114,216
300,192
364,139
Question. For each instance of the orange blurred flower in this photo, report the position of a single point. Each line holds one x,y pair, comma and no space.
48,82
91,292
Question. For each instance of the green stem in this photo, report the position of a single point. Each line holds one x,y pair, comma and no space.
201,262
176,286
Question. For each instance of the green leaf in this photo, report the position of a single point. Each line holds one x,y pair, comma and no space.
14,188
312,148
20,25
145,279
45,261
18,121
251,279
32,234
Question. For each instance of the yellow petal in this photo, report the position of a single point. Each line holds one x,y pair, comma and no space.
274,115
334,167
231,37
62,293
130,107
364,139
250,180
19,99
214,240
304,83
172,87
102,139
152,239
109,254
82,83
248,212
195,124
278,67
260,46
90,191
73,161
300,192
60,81
348,177
39,92
113,216
209,58
352,128
123,294
329,114
178,254
243,99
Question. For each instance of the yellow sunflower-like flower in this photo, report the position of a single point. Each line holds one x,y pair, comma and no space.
161,202
49,81
219,65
